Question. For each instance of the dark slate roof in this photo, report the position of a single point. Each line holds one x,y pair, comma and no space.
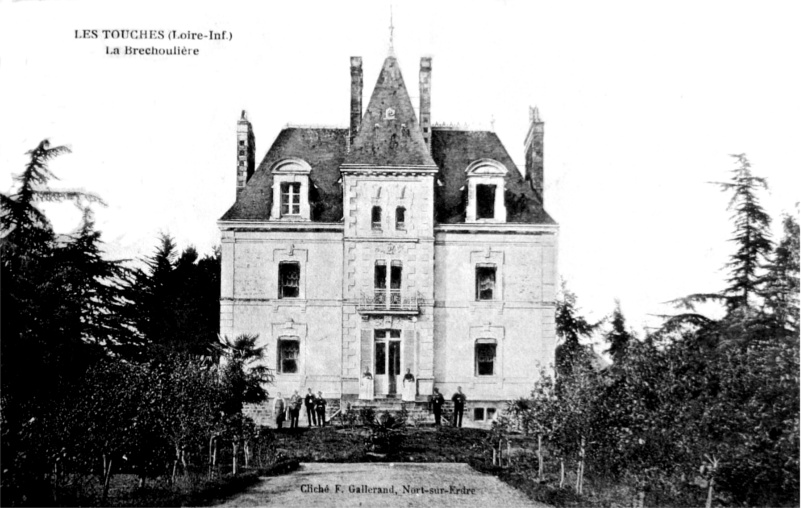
395,141
324,149
453,151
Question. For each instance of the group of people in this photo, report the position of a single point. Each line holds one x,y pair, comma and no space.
315,409
437,401
316,405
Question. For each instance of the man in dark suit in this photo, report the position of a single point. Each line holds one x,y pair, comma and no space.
308,401
458,406
437,401
294,409
319,407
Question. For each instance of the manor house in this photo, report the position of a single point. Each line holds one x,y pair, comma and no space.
393,244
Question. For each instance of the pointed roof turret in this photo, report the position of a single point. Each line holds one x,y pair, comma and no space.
389,134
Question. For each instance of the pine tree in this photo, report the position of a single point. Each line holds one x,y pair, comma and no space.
571,327
42,344
176,301
618,337
781,282
751,235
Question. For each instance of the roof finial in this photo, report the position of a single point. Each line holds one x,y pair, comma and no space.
391,33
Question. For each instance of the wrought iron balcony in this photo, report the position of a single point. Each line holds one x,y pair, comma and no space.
388,301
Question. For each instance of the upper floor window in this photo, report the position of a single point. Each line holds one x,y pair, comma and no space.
290,198
485,201
485,359
485,282
288,355
288,280
375,217
400,218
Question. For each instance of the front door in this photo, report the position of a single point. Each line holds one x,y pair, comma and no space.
387,361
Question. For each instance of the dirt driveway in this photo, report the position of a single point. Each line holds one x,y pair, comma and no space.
382,485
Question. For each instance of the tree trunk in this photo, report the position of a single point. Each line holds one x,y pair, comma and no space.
561,473
234,443
500,453
494,457
580,469
508,453
709,494
55,483
106,480
641,499
247,454
539,457
211,457
214,459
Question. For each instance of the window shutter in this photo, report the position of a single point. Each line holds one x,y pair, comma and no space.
408,351
367,351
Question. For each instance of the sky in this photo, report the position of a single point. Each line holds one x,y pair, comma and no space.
642,101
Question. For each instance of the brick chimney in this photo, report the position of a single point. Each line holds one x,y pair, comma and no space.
356,85
425,99
245,152
534,150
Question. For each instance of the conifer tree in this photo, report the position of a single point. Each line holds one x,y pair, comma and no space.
571,327
751,235
618,337
781,282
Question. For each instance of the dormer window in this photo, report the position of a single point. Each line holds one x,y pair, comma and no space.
291,190
485,192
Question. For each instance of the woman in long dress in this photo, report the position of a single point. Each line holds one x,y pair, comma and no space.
409,387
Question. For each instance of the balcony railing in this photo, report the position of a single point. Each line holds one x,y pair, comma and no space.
389,301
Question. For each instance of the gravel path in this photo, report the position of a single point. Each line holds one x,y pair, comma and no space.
383,485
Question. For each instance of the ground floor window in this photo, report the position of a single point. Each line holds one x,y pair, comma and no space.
478,413
485,359
288,355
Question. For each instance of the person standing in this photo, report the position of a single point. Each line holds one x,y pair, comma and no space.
458,399
319,407
294,410
437,402
409,387
279,410
308,401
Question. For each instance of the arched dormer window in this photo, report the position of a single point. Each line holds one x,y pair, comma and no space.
485,191
291,190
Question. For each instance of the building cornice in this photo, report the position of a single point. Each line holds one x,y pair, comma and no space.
280,225
497,229
348,169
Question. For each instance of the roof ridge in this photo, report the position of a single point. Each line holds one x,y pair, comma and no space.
313,126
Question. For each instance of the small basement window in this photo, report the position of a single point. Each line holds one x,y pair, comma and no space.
288,280
288,354
490,413
478,413
485,201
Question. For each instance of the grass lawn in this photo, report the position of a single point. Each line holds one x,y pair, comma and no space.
426,444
